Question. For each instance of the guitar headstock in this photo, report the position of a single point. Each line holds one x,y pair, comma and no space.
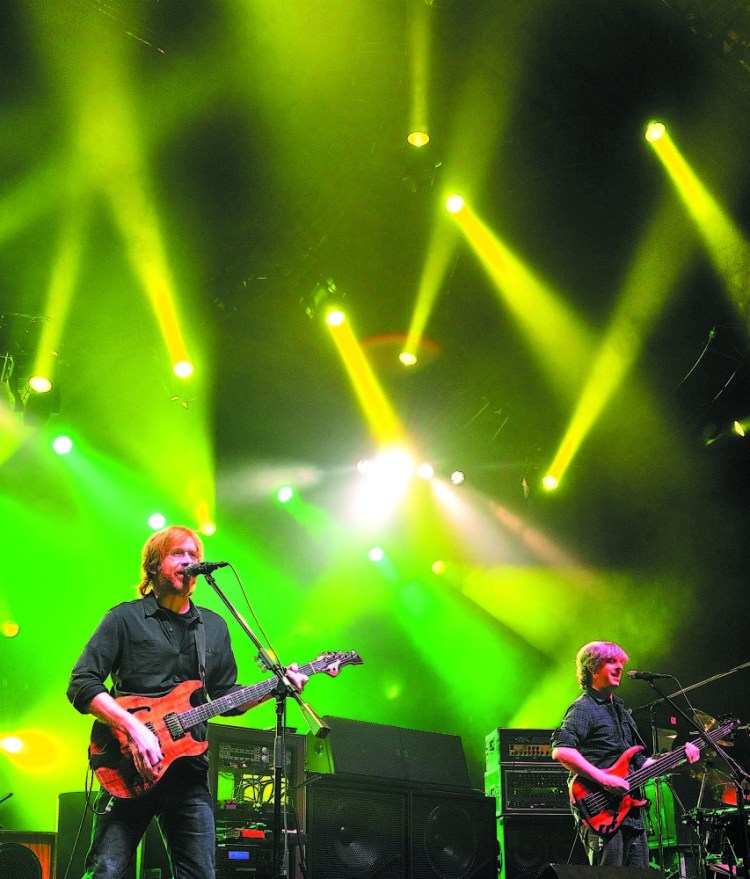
332,662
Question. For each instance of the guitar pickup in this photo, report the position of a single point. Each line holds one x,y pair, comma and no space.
174,727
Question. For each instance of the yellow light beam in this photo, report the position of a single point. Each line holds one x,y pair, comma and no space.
439,254
664,253
60,289
419,55
728,249
30,198
559,339
379,414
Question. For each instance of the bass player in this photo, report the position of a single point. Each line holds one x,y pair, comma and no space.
147,647
594,734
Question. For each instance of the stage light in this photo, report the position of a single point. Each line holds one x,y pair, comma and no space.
208,528
395,465
438,567
40,384
335,317
284,494
655,131
156,521
365,466
376,554
425,471
11,744
418,138
407,358
9,629
550,482
183,369
454,204
63,445
739,428
457,477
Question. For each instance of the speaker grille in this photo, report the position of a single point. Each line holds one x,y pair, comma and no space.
19,862
355,833
453,836
530,842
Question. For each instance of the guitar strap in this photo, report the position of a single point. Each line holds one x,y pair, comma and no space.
627,720
200,649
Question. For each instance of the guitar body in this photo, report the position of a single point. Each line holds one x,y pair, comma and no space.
171,718
600,810
109,752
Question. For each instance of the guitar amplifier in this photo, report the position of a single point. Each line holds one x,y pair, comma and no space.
519,789
504,746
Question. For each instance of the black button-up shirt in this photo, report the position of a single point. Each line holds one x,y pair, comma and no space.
146,650
601,729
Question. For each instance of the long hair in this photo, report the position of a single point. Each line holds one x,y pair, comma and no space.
592,656
157,546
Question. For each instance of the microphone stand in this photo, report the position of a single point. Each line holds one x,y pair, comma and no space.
284,689
658,792
737,772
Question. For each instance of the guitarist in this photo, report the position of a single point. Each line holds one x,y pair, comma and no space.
595,731
147,647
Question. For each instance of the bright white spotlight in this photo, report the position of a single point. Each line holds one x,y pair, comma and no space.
365,466
40,384
407,358
376,554
395,465
454,204
335,317
550,482
655,131
285,494
63,445
457,477
11,744
156,521
425,471
183,369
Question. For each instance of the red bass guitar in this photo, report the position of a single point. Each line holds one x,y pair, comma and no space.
171,718
603,811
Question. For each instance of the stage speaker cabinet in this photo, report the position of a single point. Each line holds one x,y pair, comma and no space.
355,830
358,749
452,836
27,855
529,842
74,824
575,871
360,830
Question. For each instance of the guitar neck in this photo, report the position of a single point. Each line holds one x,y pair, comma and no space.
253,693
673,758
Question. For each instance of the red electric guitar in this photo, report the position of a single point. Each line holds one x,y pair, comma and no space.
171,718
603,811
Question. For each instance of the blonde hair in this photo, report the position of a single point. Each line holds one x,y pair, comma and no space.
592,656
157,546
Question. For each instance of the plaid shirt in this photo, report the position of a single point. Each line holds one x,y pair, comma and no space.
601,729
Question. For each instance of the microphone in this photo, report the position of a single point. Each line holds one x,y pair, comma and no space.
646,675
202,568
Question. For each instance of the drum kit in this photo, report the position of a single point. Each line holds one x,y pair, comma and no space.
717,837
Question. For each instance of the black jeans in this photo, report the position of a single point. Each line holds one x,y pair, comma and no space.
182,806
628,847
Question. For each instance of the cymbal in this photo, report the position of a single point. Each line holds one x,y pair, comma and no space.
710,776
708,723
